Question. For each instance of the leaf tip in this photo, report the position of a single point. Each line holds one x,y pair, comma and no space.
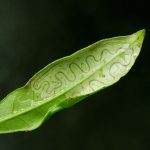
141,34
138,37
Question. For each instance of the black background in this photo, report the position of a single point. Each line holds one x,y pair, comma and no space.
35,33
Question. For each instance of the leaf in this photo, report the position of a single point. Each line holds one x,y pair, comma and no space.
67,81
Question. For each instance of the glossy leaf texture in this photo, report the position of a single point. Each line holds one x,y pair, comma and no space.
67,81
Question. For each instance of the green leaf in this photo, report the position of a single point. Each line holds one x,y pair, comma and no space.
67,81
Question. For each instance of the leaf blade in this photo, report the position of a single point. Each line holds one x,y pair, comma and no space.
66,81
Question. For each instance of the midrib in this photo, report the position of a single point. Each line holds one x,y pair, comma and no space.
10,117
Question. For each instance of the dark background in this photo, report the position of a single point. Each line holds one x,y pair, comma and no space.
34,33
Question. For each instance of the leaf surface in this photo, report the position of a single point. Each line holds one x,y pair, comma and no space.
68,80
